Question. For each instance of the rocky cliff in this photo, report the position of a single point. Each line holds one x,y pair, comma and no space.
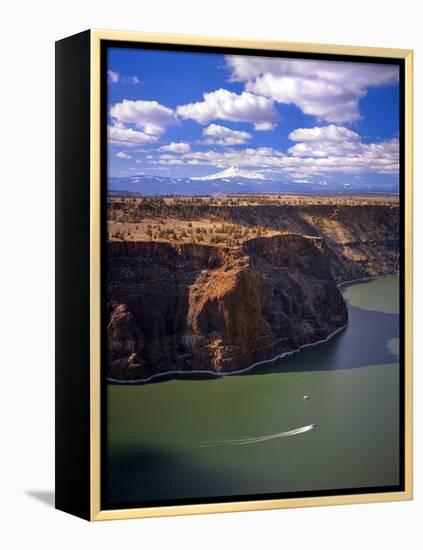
362,239
196,307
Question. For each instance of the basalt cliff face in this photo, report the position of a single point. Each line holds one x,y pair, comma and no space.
362,239
193,307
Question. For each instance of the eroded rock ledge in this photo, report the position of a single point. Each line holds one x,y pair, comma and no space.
196,307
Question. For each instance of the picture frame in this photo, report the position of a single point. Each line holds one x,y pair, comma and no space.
99,472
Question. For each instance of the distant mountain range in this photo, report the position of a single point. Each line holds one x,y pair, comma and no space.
235,180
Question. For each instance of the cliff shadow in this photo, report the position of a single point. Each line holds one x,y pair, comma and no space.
362,343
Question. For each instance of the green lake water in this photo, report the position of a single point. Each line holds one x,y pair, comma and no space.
254,433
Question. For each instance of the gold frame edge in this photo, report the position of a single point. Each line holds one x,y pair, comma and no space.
96,514
95,281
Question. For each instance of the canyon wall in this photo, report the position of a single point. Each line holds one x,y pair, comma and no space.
362,239
194,307
205,308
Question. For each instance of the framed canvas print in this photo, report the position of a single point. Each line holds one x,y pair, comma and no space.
233,276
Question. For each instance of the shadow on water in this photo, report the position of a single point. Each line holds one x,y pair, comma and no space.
362,343
165,475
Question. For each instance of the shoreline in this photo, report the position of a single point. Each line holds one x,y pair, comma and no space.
364,279
222,374
216,375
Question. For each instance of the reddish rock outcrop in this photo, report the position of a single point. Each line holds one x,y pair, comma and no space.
195,307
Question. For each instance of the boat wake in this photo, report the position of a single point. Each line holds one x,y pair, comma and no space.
186,444
260,439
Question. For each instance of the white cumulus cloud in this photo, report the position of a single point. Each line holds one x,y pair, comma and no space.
150,116
324,133
225,105
328,90
264,126
123,155
176,147
134,80
309,158
341,149
220,135
113,76
128,137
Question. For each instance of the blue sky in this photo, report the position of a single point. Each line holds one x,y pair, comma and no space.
184,114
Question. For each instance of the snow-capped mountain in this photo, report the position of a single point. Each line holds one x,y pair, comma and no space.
234,180
232,172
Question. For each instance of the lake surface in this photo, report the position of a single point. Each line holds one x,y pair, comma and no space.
255,433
